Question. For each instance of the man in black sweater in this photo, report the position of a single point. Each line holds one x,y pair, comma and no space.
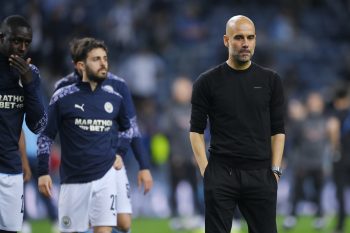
244,103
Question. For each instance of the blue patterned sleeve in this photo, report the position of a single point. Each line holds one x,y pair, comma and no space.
36,117
125,131
47,137
137,146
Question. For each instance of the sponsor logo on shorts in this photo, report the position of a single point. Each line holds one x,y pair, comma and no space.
127,186
66,221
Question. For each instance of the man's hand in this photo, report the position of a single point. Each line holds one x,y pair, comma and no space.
277,177
45,185
118,163
144,177
22,66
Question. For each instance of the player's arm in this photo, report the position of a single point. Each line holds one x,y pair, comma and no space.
125,131
36,117
333,131
277,146
45,141
27,173
198,147
199,115
144,176
277,125
137,146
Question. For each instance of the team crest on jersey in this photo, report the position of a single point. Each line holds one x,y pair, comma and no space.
66,221
108,107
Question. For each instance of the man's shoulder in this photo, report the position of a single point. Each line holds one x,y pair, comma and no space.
63,92
214,70
111,90
118,83
115,78
210,73
263,69
66,80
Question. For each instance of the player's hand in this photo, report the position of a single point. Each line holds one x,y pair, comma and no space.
277,177
27,173
45,185
202,169
22,66
118,163
144,177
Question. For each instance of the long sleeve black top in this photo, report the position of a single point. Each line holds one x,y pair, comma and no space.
244,107
17,102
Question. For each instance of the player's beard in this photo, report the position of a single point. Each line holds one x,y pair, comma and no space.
94,77
242,59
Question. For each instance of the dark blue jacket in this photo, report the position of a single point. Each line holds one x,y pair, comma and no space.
120,86
86,121
17,100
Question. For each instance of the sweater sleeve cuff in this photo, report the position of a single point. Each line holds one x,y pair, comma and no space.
43,164
140,153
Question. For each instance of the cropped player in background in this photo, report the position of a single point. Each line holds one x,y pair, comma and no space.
19,95
340,139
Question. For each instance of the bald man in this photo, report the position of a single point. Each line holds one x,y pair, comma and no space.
244,104
19,96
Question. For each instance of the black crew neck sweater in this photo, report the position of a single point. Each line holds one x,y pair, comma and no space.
244,108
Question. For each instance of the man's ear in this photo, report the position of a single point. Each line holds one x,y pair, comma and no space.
225,39
80,65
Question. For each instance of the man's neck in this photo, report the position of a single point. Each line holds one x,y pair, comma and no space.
238,66
93,84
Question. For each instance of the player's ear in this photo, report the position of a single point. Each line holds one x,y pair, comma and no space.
225,38
80,65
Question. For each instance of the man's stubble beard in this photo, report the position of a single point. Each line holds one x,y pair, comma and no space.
94,78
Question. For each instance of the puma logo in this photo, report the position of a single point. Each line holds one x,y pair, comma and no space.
81,107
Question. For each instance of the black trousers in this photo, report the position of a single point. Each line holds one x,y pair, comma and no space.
253,191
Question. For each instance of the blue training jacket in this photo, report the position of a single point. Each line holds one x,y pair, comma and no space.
17,100
120,86
86,121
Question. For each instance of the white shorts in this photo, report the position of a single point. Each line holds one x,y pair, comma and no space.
11,202
123,193
91,203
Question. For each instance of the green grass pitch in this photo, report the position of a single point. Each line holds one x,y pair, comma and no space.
152,225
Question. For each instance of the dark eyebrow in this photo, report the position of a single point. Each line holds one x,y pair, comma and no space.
241,36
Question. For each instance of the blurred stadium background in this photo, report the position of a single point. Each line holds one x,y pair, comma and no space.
152,43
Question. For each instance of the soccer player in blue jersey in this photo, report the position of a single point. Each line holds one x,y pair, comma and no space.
86,114
19,96
124,209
